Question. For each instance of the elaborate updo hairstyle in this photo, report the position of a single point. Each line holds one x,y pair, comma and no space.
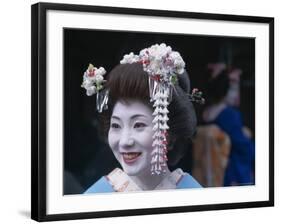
130,82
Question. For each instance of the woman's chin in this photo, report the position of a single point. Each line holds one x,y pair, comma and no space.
135,171
131,171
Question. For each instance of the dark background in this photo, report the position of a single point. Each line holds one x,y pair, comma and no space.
87,157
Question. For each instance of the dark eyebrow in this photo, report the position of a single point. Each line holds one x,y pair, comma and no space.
137,115
133,117
115,117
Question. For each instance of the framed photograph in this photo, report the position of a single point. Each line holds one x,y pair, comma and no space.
139,111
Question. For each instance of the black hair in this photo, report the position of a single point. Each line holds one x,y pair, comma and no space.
217,87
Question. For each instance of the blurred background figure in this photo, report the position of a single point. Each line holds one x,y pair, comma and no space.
211,148
223,142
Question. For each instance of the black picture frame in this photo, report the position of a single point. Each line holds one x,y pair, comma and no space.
39,109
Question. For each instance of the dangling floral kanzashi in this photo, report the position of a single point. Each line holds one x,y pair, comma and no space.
162,65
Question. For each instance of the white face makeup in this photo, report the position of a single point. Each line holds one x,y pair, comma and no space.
130,136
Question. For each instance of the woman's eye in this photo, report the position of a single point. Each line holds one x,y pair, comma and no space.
139,125
114,125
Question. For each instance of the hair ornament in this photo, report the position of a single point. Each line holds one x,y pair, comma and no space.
93,83
196,96
162,65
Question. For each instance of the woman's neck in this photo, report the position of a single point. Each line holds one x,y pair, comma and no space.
213,111
147,181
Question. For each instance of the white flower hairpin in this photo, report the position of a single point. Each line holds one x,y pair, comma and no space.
93,82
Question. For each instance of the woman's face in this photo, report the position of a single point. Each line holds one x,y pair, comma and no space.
130,136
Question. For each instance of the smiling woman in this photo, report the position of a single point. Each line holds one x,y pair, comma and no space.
141,135
130,137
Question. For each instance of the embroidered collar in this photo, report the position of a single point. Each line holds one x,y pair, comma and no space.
121,182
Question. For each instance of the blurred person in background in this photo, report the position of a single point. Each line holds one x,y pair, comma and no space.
223,99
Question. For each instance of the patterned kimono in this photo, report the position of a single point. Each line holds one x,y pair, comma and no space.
119,181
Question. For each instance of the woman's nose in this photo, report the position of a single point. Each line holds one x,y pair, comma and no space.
126,139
